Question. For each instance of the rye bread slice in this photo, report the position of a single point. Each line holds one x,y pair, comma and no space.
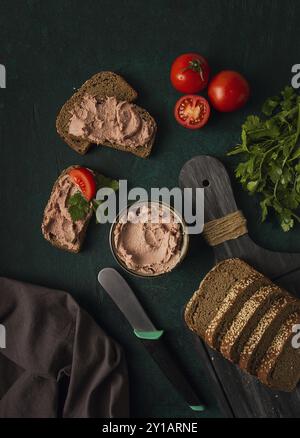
101,85
52,238
252,349
246,319
205,302
280,366
285,375
231,306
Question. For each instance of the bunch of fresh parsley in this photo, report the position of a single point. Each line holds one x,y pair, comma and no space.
271,157
79,207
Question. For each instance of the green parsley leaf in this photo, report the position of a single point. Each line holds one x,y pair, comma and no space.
270,105
251,186
104,181
78,207
251,123
287,222
270,151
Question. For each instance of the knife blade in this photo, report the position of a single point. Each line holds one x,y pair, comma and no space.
124,298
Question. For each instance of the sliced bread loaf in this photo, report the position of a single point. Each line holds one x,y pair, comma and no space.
102,85
206,301
280,366
249,320
255,346
231,306
246,319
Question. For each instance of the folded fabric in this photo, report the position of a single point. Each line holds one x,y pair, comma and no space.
57,361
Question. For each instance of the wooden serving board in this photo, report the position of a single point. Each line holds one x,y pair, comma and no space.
242,396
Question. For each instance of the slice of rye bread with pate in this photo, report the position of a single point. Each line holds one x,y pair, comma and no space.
252,351
280,366
205,302
57,219
101,85
246,321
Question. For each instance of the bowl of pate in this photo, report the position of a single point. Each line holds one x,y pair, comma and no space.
149,239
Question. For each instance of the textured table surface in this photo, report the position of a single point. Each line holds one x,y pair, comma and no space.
50,48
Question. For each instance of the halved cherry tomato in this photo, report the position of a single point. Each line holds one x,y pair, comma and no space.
190,73
192,111
85,180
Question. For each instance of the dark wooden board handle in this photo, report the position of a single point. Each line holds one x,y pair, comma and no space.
209,173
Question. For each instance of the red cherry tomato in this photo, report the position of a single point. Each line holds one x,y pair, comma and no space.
85,180
228,91
190,73
192,111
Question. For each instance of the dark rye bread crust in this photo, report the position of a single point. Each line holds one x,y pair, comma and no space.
280,366
82,235
244,294
232,350
251,364
286,372
206,301
101,85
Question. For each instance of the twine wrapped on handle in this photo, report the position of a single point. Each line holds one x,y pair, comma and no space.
225,228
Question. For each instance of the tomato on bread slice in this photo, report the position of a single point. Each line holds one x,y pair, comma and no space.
85,180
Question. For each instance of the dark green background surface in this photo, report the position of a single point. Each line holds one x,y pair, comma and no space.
51,47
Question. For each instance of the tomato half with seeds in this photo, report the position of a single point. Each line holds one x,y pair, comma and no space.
192,111
85,180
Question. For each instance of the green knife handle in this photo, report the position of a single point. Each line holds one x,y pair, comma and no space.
152,336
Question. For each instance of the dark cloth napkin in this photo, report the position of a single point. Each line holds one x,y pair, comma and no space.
57,361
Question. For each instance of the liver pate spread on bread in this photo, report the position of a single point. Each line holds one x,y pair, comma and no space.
57,226
246,317
102,86
107,119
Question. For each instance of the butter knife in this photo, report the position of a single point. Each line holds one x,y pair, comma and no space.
124,298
